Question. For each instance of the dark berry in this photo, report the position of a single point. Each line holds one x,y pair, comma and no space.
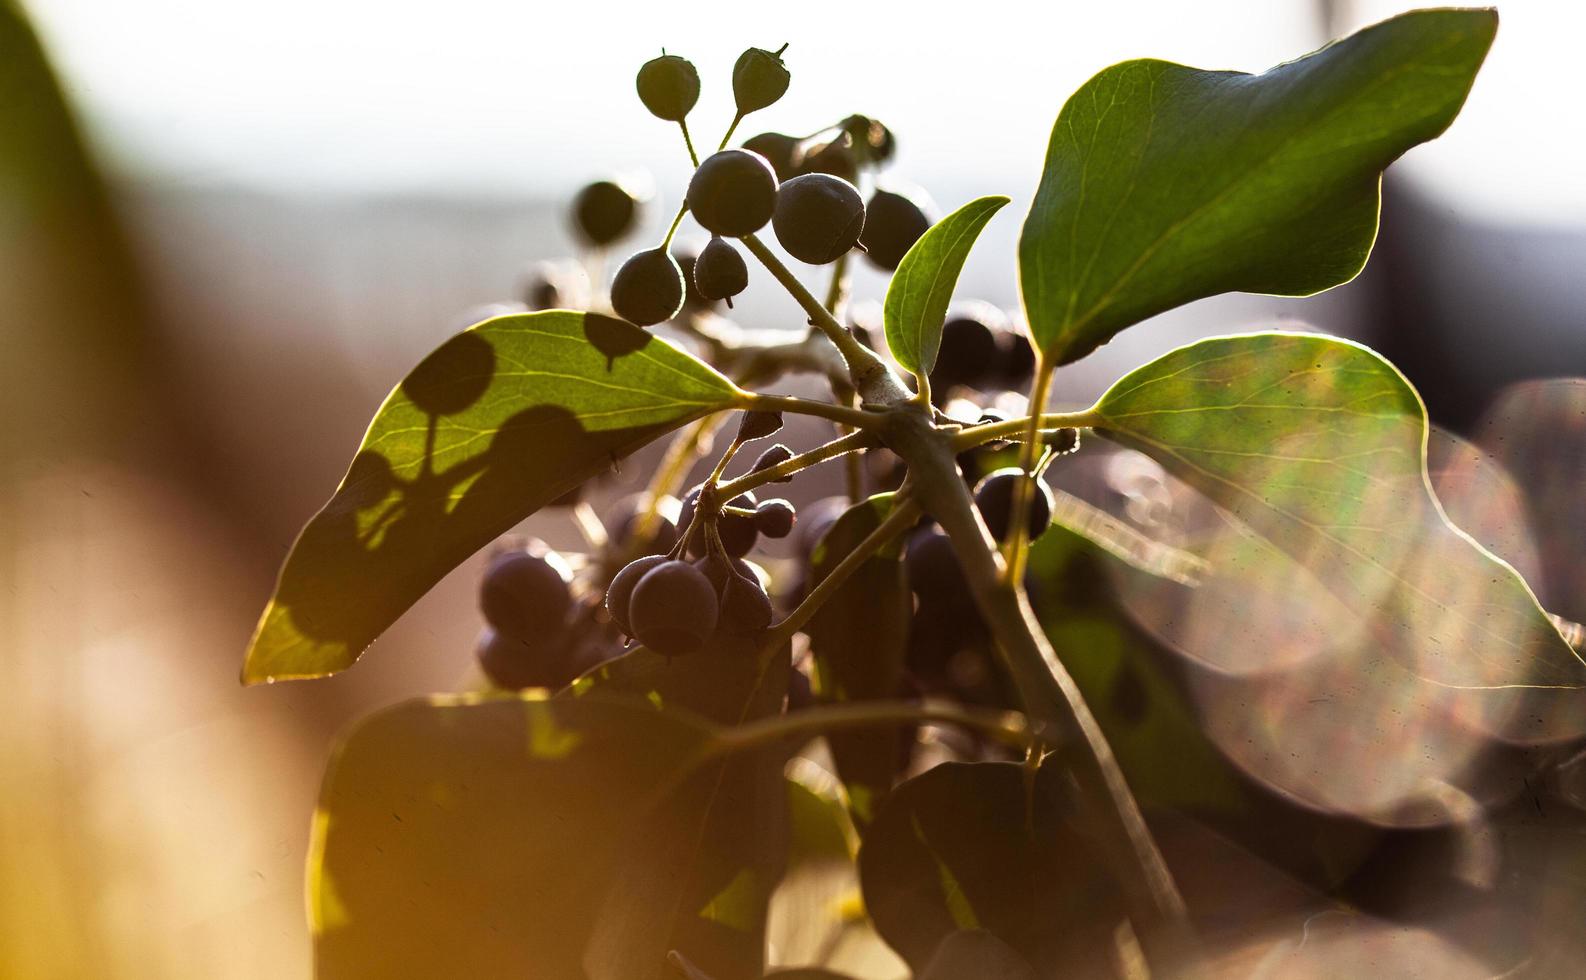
835,157
720,272
870,137
525,594
603,212
775,456
758,79
745,605
818,217
779,150
620,591
968,352
687,255
648,288
733,193
1015,358
624,517
738,533
994,497
775,518
514,664
673,609
934,572
757,424
893,223
668,87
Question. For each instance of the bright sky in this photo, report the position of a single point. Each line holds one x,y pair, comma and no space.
524,95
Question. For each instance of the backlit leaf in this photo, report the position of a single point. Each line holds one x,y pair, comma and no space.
923,284
858,639
1319,446
1164,184
496,422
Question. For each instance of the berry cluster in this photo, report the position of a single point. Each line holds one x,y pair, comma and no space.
692,577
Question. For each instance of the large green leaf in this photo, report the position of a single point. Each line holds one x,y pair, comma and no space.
1319,446
1164,184
983,846
501,419
858,639
708,895
923,284
469,837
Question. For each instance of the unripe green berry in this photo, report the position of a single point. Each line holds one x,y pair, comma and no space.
604,212
648,288
818,217
759,78
720,272
733,193
668,87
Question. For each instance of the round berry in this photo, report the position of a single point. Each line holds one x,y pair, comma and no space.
775,518
555,286
894,221
994,496
738,533
818,217
620,591
1015,357
733,193
871,137
624,517
648,288
514,664
779,150
968,351
673,609
745,604
604,212
835,157
758,79
720,272
668,87
525,594
775,456
686,254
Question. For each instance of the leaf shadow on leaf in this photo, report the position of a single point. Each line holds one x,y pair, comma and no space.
422,496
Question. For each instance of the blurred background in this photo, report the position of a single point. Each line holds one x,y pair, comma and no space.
227,228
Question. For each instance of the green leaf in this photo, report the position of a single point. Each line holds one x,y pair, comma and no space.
707,897
858,640
468,837
1164,184
923,284
1319,446
499,420
980,846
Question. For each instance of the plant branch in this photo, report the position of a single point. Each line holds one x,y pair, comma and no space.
820,454
875,382
1019,428
1006,726
904,513
1018,545
1049,695
855,417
